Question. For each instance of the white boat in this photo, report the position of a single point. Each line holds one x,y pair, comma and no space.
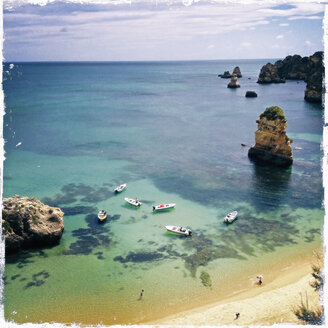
163,207
231,217
120,188
134,202
179,230
102,216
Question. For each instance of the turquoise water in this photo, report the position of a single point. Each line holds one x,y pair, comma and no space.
171,131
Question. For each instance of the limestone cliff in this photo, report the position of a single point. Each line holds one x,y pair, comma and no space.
271,142
26,222
310,69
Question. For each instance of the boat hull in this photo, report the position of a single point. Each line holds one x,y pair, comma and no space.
163,207
120,188
179,230
132,202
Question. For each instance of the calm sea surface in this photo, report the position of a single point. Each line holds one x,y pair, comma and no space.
172,131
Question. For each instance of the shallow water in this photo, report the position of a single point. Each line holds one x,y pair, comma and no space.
171,131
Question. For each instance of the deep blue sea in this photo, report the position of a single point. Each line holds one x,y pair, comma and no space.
172,131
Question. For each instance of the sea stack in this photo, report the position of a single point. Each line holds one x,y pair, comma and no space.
234,82
28,223
225,75
236,71
272,145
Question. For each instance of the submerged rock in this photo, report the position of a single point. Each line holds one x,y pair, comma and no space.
310,69
26,223
271,142
234,82
225,75
250,94
237,71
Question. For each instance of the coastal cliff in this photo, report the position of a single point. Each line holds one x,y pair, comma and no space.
26,223
272,145
310,69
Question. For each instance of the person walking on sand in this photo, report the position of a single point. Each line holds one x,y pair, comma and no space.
141,293
237,315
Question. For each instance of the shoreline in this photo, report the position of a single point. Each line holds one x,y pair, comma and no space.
268,304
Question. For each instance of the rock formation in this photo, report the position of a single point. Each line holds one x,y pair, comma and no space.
271,142
236,71
26,222
310,69
225,75
250,94
234,82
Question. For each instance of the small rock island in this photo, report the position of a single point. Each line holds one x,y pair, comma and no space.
234,82
28,223
272,145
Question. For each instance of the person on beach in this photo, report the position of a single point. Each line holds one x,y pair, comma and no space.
141,293
237,315
260,278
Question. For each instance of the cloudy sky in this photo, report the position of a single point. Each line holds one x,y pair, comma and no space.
111,30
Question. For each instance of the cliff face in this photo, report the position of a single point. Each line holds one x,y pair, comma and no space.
271,142
310,69
26,222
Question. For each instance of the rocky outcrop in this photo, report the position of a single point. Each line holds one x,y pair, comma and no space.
225,75
237,71
26,223
310,69
250,94
314,89
234,82
272,145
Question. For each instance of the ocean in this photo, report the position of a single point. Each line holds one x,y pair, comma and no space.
172,131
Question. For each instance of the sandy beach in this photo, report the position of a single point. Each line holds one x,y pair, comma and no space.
262,305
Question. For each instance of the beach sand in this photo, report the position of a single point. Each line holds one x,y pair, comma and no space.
262,305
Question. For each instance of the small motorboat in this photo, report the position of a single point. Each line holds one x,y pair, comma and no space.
120,188
163,207
102,216
231,217
179,230
133,202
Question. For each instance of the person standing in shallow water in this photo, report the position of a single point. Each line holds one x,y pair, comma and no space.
141,293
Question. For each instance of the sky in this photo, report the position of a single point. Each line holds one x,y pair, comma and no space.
121,30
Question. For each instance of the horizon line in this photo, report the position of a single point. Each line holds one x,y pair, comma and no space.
131,61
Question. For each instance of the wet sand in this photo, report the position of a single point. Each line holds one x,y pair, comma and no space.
261,305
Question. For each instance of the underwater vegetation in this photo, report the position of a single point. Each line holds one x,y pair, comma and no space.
72,192
205,279
92,237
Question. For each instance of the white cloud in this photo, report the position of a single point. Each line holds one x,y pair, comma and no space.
304,17
246,44
280,36
284,24
308,43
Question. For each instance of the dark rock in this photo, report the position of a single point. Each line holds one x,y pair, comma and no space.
26,223
250,94
236,71
234,82
225,75
310,69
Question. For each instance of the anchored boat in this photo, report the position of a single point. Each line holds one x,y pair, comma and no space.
163,207
133,202
120,188
179,230
102,216
231,217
